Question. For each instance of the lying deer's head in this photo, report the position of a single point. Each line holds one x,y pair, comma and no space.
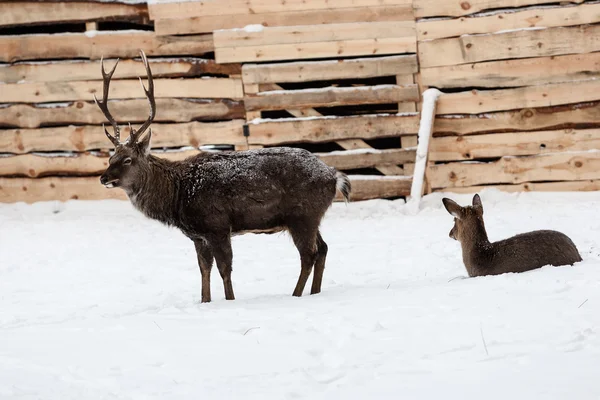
468,220
130,156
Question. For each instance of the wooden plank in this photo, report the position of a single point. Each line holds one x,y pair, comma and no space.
308,33
437,8
569,166
103,43
83,70
25,12
366,187
366,158
451,148
134,111
528,119
326,129
186,25
404,105
188,9
39,92
82,138
501,21
330,97
514,44
567,186
518,72
347,48
329,70
477,101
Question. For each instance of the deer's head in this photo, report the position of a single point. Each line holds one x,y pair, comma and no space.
130,157
468,221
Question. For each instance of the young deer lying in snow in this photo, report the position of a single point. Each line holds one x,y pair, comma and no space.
519,253
212,196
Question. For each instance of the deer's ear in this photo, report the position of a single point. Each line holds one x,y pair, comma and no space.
477,202
452,207
144,144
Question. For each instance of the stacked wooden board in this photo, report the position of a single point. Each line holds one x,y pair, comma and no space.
522,108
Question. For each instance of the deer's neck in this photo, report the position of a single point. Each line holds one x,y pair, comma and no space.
156,192
476,250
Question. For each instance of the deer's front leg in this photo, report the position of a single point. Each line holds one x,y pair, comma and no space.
205,261
221,247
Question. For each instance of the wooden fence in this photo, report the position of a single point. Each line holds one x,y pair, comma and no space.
521,109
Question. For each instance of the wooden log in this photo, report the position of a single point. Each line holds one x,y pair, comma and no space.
41,92
25,12
185,25
366,187
570,166
326,129
124,111
82,138
330,97
336,49
501,21
514,44
438,8
519,72
478,101
567,186
308,34
452,148
103,43
83,70
366,158
188,9
527,119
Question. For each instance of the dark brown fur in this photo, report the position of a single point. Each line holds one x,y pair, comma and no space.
519,253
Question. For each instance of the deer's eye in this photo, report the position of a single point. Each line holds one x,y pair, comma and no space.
127,161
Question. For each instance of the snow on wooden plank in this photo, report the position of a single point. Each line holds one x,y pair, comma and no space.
565,166
438,8
211,23
521,43
95,44
327,70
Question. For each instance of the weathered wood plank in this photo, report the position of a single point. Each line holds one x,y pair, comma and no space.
211,23
518,72
366,187
134,111
25,12
83,70
438,8
103,43
452,148
326,70
570,166
478,101
567,186
41,92
514,44
302,51
308,33
330,97
215,7
501,21
367,158
82,138
331,129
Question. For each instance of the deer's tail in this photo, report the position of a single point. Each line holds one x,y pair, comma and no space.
342,184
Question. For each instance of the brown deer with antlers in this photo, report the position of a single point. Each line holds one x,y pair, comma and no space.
212,196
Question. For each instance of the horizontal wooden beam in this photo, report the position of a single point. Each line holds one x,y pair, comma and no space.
83,70
367,158
97,44
451,148
315,130
42,92
502,21
325,70
518,72
478,101
508,45
82,138
124,111
26,12
566,186
567,166
330,97
438,8
189,25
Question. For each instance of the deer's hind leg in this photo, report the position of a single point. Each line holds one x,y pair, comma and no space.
205,262
304,235
221,248
319,265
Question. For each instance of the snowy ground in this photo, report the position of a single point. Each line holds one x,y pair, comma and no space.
98,302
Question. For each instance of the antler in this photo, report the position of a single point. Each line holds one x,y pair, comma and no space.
116,140
134,136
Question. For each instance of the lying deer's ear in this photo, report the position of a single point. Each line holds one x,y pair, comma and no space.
145,142
452,207
477,202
